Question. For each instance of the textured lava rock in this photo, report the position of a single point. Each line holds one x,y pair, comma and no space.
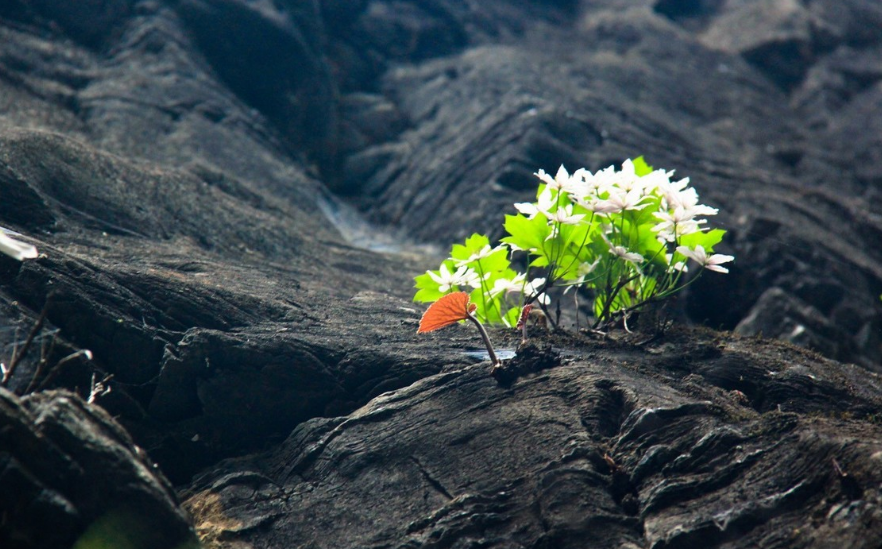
174,162
71,475
688,441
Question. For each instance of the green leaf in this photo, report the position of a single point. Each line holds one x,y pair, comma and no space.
540,261
526,234
428,289
645,214
641,168
567,267
427,295
489,309
473,245
495,262
707,239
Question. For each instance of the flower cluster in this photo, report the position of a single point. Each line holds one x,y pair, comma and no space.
625,236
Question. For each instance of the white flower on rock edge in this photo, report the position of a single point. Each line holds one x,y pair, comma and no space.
463,276
712,263
16,249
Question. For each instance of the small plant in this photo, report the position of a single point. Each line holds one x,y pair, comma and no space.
622,236
453,308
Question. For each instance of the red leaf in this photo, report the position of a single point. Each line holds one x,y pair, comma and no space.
446,311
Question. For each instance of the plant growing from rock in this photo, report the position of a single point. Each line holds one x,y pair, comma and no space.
625,237
450,309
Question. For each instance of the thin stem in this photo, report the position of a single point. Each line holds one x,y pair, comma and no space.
608,304
655,298
582,245
486,309
493,358
53,373
16,358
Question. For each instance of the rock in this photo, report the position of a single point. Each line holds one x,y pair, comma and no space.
91,21
272,57
618,445
231,199
71,476
782,38
778,314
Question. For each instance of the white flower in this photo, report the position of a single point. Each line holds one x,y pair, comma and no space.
532,288
506,286
602,180
486,251
626,179
699,255
586,268
655,180
579,185
620,251
686,198
673,225
630,200
678,266
600,206
16,249
677,194
463,276
561,182
545,203
564,215
623,253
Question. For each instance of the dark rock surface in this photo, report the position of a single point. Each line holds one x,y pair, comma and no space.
72,475
700,441
195,174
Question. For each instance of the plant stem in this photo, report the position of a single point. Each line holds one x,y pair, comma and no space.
608,304
16,357
493,358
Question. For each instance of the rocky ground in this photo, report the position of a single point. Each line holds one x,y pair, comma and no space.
231,199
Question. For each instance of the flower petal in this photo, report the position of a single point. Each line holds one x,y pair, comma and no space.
16,249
